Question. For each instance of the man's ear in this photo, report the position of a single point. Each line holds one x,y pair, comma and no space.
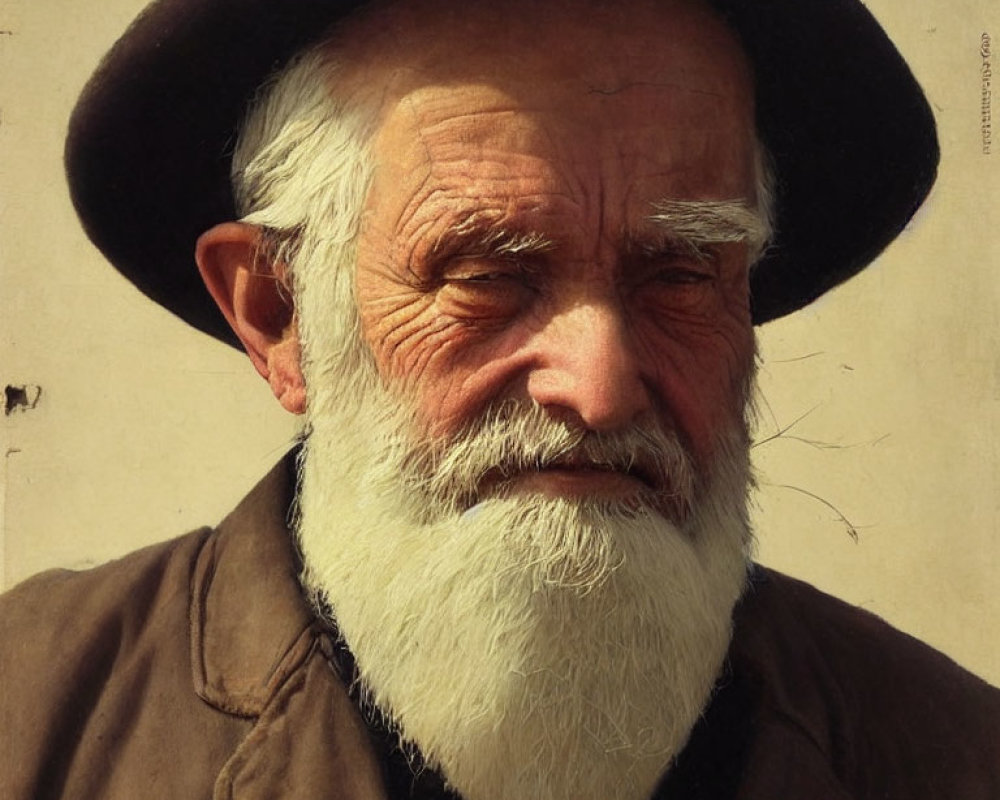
256,300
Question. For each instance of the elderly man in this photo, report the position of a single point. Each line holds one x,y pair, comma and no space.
507,259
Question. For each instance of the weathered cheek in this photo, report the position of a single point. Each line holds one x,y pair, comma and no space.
700,366
737,333
413,346
400,330
732,353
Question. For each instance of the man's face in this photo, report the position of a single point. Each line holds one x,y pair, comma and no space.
510,248
529,276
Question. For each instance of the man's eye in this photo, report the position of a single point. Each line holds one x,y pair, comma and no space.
480,277
483,294
677,288
681,277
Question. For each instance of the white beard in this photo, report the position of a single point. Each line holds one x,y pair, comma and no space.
530,648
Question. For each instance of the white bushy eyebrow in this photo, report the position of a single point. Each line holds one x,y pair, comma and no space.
480,236
696,223
691,225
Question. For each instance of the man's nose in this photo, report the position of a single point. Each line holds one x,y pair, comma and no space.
586,362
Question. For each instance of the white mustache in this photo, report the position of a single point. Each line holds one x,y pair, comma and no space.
512,438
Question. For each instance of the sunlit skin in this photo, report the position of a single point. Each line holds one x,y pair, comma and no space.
555,129
602,324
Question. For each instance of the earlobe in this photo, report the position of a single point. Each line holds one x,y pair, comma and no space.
255,299
284,374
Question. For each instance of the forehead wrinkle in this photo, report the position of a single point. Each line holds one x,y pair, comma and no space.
443,112
419,195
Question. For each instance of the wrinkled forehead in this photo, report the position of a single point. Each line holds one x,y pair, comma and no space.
544,53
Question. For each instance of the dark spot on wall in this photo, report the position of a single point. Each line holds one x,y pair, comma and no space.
20,398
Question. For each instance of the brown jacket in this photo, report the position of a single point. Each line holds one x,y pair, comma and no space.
194,669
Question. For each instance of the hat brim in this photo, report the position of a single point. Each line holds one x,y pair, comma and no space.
851,136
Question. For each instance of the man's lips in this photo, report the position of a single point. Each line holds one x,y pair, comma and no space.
576,476
567,481
581,465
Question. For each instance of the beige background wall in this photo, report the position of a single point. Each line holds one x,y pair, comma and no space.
144,428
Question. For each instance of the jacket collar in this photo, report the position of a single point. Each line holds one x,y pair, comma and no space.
250,624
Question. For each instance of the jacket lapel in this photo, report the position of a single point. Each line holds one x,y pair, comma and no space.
257,651
309,742
247,612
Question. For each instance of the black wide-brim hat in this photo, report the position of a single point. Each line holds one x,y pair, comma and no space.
148,152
